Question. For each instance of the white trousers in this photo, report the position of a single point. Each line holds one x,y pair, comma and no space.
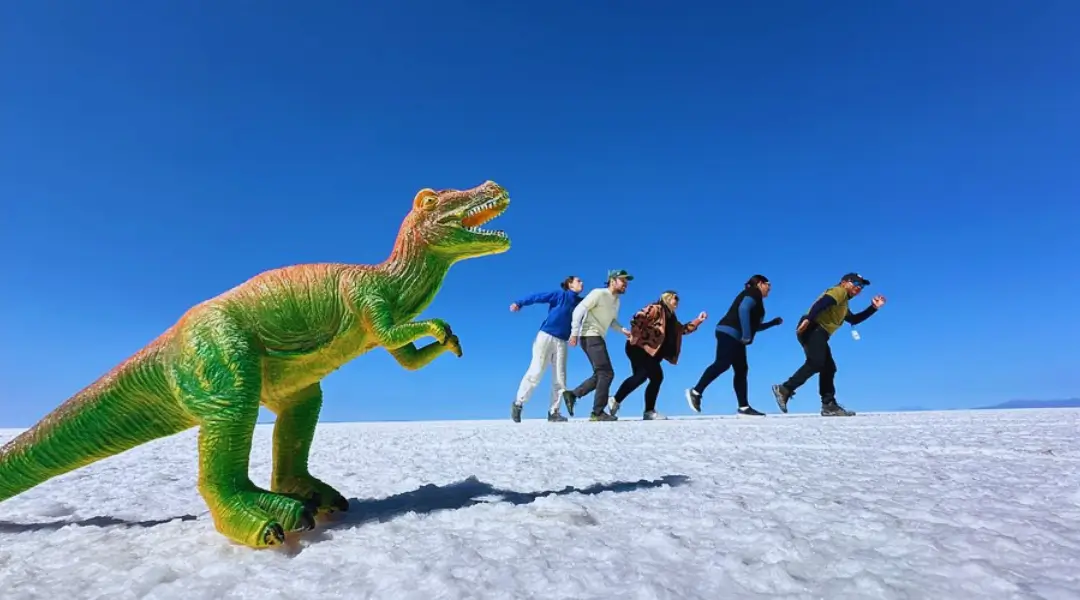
547,349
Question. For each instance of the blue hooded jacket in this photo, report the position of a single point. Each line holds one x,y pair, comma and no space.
561,305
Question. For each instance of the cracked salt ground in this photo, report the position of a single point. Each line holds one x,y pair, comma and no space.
920,505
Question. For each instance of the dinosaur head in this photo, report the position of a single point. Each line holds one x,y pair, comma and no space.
449,222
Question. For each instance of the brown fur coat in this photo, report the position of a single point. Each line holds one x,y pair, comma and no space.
647,330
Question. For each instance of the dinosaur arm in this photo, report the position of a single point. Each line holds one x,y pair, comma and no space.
413,358
390,335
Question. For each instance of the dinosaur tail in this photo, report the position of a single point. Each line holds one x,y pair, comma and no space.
127,407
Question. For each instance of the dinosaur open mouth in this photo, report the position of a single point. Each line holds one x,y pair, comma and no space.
478,215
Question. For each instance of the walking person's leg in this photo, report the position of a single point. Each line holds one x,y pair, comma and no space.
725,348
595,348
815,345
585,387
655,374
558,380
740,369
827,388
639,373
540,351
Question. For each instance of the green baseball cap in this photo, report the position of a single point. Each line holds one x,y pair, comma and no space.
619,274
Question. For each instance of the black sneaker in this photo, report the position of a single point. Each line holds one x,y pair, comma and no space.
782,395
832,409
748,411
693,398
569,399
556,417
602,416
515,412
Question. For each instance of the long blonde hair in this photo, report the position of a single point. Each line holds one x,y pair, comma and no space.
666,297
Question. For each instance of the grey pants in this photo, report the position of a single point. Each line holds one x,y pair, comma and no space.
595,348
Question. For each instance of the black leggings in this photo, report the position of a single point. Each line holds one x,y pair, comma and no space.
730,352
819,361
644,367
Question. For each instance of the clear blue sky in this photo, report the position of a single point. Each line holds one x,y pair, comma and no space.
155,154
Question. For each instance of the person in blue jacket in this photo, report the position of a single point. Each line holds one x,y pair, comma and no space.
549,347
734,332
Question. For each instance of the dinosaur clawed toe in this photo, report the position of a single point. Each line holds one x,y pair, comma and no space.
316,496
273,534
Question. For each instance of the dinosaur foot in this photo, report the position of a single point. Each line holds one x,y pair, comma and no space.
317,496
260,519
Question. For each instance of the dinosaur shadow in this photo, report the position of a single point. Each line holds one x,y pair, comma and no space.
424,500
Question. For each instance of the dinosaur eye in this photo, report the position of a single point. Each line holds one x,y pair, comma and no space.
429,202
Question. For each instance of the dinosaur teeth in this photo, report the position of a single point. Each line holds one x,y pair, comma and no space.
482,231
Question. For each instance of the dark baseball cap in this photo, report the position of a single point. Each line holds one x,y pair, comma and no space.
856,279
619,274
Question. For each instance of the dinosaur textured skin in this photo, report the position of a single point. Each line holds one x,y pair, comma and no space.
269,341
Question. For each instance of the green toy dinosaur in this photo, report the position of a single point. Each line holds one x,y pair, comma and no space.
269,341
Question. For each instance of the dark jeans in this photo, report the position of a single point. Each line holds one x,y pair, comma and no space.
819,361
643,367
595,348
730,353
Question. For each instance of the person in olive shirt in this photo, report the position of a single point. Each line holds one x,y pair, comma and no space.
827,315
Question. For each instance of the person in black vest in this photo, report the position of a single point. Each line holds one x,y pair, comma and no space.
734,333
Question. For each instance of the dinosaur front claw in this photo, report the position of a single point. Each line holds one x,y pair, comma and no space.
273,535
453,344
440,330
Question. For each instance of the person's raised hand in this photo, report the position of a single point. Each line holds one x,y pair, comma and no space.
878,301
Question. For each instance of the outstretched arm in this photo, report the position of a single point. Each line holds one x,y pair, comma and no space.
692,326
861,316
545,297
770,324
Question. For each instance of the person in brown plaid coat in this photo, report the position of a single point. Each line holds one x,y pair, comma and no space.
655,336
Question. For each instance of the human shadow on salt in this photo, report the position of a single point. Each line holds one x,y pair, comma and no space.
432,498
102,521
471,492
423,500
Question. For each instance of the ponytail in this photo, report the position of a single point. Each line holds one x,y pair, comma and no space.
755,280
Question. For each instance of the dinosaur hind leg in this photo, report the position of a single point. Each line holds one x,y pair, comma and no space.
218,377
294,428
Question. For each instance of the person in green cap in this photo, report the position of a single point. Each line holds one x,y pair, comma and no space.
829,312
597,312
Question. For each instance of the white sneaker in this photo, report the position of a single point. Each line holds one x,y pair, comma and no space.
652,415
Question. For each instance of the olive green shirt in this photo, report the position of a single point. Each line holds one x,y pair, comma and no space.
833,318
